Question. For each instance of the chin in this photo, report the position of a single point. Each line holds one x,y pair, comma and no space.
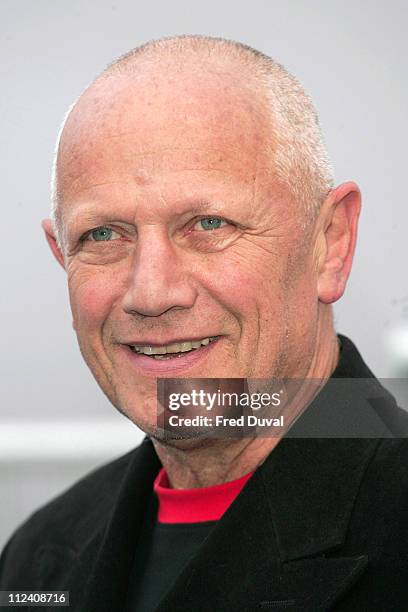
191,441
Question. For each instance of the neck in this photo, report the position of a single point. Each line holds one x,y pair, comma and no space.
203,463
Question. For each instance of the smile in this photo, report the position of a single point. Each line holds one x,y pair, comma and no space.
170,351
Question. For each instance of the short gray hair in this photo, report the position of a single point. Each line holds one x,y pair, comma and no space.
300,159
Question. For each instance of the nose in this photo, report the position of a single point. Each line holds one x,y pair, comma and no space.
159,278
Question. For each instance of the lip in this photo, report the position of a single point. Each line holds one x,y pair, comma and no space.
175,365
167,342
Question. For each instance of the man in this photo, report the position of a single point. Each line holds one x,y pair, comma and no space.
202,237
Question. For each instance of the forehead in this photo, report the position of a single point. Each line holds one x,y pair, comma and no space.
154,124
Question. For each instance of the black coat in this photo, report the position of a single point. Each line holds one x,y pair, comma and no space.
321,525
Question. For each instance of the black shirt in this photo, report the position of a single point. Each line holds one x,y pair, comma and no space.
163,550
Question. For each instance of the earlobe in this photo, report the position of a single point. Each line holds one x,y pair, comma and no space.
51,239
342,208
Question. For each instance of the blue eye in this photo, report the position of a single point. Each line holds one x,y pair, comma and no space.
101,234
210,223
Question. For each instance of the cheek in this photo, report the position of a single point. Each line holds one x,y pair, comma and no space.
91,298
231,284
246,290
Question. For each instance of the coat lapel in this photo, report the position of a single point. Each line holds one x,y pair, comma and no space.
276,545
107,558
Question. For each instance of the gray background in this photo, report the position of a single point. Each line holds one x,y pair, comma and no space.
55,424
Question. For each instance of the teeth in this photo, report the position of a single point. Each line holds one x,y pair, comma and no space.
161,350
186,346
177,347
173,348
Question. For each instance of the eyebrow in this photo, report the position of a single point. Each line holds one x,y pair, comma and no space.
203,206
88,213
88,216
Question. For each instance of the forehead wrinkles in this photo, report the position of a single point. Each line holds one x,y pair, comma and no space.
142,169
122,120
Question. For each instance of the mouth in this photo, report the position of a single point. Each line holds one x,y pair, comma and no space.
177,359
171,351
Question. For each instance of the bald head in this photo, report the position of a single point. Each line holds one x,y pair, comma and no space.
199,85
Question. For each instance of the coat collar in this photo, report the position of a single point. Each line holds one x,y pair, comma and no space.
279,543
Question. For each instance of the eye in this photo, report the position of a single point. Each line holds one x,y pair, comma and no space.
101,234
209,223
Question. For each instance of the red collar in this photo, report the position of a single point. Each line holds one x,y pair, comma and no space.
195,505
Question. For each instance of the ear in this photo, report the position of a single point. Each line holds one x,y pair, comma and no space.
52,241
339,222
